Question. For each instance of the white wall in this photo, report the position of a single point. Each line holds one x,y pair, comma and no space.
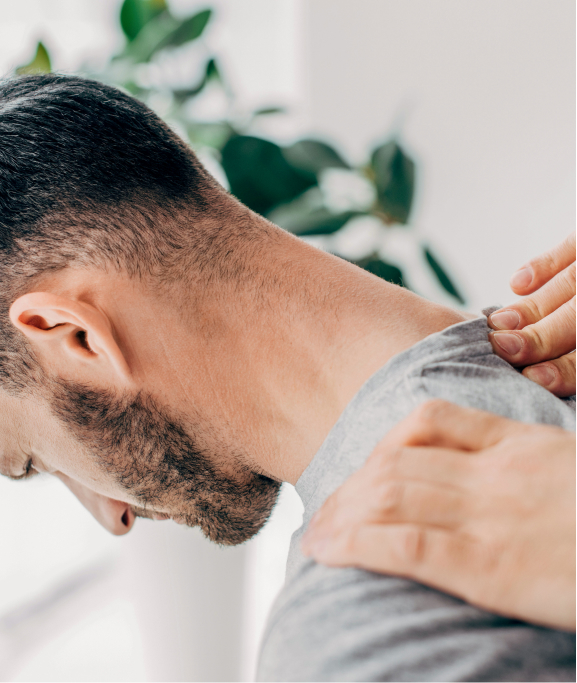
485,90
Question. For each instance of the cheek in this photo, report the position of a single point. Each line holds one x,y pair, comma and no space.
81,474
66,459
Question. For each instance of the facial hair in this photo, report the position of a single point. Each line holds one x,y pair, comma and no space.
152,456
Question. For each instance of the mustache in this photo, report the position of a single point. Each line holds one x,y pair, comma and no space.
143,513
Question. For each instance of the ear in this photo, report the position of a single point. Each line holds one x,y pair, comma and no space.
65,332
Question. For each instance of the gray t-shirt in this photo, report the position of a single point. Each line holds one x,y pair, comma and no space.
347,624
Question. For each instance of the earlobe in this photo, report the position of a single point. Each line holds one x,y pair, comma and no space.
77,329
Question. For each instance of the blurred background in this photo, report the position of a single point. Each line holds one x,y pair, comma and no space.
431,142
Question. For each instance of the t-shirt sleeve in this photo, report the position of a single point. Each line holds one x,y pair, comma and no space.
354,625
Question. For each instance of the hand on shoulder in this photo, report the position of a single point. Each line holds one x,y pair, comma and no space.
468,502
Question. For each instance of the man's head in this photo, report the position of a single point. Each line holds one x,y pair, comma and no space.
109,225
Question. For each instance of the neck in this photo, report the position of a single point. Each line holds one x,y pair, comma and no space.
259,368
288,358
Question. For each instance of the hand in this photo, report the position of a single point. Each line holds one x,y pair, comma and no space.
467,502
545,321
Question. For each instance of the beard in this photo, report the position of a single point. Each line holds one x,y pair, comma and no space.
153,457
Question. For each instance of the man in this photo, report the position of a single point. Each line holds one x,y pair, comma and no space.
166,352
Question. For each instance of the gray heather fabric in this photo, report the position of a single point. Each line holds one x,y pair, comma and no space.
353,625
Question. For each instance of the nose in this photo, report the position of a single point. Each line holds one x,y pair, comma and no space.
114,515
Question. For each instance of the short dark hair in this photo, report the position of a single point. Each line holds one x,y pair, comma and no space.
91,176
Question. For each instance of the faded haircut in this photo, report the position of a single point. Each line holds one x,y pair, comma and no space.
89,176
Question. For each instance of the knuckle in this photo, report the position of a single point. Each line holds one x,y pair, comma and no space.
570,276
386,462
348,542
428,413
390,495
566,367
563,285
536,340
570,307
546,263
414,545
531,310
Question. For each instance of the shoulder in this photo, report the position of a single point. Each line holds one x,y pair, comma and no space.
348,624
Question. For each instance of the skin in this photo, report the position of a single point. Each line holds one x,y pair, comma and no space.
254,377
542,325
468,502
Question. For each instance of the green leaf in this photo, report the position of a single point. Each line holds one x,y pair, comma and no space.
442,276
150,37
269,110
213,135
394,174
384,270
316,222
210,72
135,14
312,156
40,63
259,175
164,31
187,30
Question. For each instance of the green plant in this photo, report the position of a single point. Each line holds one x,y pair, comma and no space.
39,64
295,186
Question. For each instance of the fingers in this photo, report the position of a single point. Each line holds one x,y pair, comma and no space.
547,339
558,376
436,465
444,424
541,269
439,558
395,501
409,484
536,307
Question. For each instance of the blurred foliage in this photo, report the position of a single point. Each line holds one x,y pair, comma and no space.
295,186
40,63
442,275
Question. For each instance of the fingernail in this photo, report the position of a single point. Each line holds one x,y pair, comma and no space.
541,374
509,343
505,320
522,278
